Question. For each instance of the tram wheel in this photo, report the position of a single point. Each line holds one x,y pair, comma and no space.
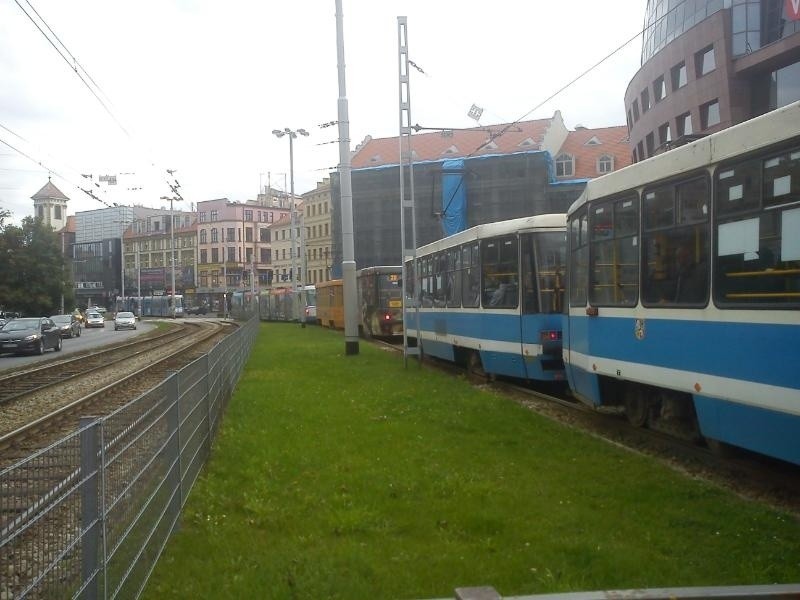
637,406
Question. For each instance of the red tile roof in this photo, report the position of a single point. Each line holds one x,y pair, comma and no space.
522,136
613,142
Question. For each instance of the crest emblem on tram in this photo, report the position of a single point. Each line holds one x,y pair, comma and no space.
638,329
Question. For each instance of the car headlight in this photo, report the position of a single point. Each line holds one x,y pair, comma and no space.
32,338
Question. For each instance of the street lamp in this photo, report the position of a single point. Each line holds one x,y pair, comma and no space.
291,135
171,252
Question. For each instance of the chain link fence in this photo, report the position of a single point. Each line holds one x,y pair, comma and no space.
90,515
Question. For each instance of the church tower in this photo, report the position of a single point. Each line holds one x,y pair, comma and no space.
50,205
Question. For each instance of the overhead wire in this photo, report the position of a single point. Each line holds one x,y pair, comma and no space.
494,136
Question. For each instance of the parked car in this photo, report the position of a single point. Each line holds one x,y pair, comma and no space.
68,325
124,320
196,310
34,335
99,309
95,319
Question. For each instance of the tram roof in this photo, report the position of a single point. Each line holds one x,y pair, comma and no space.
522,224
759,132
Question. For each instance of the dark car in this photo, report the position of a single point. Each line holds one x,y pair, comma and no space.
68,325
30,335
196,310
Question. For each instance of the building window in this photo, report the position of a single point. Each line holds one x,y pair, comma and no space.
660,89
203,236
248,234
215,255
649,141
214,236
640,149
746,26
704,61
230,236
203,257
645,95
664,134
685,124
248,215
203,217
605,164
564,165
709,114
57,212
630,120
635,109
678,76
214,215
231,254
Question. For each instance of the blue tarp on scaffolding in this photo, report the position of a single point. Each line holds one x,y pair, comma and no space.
454,197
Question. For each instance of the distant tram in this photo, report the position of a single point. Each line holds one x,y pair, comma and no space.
152,306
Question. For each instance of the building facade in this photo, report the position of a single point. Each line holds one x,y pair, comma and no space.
710,64
469,177
148,254
317,221
234,245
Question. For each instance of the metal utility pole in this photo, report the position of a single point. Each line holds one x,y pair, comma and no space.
407,205
345,188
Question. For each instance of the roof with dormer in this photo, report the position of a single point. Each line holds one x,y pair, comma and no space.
587,146
49,192
457,143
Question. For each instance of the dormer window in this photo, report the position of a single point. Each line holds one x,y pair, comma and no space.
451,150
489,146
593,142
376,158
565,165
527,142
605,164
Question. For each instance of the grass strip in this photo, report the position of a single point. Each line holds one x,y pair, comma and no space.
353,477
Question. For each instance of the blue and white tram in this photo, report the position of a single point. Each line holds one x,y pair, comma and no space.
491,298
684,289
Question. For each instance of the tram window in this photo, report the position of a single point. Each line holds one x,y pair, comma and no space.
470,282
614,268
409,281
676,264
738,188
551,251
757,259
579,259
440,279
782,179
659,208
454,278
530,299
499,273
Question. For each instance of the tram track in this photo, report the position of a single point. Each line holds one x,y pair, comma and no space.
749,475
37,416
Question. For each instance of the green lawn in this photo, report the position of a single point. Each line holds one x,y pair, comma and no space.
353,477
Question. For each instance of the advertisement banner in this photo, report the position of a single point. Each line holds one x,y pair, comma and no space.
793,10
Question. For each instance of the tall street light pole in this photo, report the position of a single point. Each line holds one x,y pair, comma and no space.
171,252
345,188
295,251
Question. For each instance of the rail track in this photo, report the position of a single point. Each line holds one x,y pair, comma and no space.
749,475
42,404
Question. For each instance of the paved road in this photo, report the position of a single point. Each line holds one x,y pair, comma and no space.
90,339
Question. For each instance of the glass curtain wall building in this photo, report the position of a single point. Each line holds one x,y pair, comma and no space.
709,64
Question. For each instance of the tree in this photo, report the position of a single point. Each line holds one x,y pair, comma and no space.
33,275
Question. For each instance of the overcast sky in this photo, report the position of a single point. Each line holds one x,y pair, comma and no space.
200,84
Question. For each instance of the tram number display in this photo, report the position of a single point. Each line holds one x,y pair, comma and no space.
394,278
395,304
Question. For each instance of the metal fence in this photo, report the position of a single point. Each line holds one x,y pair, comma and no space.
90,515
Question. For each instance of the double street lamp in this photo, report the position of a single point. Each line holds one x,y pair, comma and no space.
172,251
291,134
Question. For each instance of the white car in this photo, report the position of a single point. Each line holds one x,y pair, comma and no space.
124,320
95,319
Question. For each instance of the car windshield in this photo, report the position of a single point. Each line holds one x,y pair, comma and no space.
125,315
94,316
62,318
21,325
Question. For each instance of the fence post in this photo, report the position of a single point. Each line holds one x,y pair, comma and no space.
90,514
